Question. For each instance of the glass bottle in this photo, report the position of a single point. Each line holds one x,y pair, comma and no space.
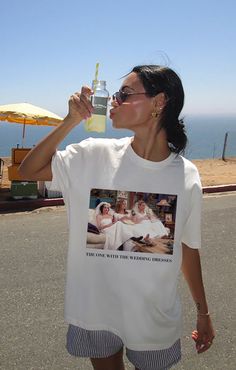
97,122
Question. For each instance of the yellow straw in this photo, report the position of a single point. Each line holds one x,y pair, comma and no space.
96,72
96,77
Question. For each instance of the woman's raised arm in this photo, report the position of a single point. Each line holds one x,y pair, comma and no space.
37,164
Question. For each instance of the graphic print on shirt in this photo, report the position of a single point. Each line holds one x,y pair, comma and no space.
131,221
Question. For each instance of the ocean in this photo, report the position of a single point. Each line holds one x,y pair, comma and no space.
205,136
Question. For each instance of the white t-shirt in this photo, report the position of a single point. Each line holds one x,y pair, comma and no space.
132,294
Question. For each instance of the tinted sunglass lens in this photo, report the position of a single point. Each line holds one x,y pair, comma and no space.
114,97
123,96
120,97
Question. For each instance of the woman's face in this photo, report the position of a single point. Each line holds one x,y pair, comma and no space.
105,209
123,204
137,110
141,206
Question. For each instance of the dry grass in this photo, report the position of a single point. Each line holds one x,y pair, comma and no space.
216,171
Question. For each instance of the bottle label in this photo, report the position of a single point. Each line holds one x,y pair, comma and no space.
100,105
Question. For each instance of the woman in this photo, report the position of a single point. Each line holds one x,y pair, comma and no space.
107,224
150,224
103,217
114,302
143,212
121,213
115,226
116,232
120,209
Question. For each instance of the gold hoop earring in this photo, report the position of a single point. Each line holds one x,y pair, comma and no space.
155,114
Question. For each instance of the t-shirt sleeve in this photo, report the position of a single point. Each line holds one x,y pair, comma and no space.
59,172
192,229
64,164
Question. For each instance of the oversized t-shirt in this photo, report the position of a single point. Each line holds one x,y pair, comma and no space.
116,280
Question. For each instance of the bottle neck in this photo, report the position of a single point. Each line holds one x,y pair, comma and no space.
101,85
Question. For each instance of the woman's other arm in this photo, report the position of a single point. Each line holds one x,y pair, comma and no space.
99,223
191,268
37,164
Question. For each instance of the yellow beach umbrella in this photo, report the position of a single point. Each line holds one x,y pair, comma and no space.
28,114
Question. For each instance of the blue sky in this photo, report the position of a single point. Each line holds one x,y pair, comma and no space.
49,48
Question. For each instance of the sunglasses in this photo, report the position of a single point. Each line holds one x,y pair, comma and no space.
121,96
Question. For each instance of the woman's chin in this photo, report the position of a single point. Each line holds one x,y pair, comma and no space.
118,124
115,124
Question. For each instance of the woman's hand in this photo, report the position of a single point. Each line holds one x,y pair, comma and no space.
204,334
80,106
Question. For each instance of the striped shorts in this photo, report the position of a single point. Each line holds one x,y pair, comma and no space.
101,344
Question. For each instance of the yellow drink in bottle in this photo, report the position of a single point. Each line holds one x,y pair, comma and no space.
99,100
96,123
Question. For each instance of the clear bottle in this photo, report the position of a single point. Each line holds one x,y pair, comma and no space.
99,101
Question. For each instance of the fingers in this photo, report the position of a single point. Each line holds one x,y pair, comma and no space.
80,102
76,106
202,344
87,91
85,95
195,335
202,347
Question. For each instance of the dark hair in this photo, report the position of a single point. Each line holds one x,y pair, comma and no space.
157,79
102,206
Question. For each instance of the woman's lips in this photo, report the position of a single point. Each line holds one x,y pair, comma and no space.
112,113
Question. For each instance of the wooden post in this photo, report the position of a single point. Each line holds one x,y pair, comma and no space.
224,149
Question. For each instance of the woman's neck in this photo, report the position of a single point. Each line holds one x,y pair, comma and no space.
151,147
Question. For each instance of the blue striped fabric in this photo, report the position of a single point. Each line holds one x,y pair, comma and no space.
92,343
101,344
162,359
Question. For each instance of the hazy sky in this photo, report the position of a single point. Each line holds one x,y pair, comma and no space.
49,48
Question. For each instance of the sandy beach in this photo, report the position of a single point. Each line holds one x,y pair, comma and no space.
212,171
216,171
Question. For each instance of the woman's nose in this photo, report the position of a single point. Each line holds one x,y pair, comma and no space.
114,103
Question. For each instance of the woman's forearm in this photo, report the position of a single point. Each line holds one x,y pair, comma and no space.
37,164
191,268
40,156
106,226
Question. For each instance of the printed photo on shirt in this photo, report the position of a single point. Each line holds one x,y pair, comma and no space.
131,221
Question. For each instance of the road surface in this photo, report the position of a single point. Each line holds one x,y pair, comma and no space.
33,248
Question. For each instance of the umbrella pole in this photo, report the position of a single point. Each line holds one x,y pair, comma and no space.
23,135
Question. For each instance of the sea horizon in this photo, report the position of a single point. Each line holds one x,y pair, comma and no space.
206,135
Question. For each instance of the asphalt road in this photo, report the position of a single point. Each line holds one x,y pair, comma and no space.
33,250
